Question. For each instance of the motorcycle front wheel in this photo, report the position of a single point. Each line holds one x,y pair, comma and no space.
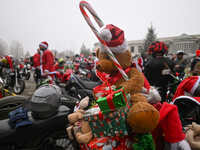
20,88
28,75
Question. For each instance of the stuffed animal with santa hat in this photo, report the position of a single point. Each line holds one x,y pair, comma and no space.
142,116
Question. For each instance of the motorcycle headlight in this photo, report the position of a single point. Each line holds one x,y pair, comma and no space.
18,66
29,66
24,66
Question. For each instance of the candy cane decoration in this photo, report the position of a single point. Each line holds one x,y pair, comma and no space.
85,4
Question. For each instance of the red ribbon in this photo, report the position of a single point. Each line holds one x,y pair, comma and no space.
115,76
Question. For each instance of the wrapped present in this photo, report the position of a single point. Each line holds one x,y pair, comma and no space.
100,90
113,100
114,143
110,124
72,130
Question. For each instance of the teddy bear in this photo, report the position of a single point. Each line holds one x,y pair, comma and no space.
142,116
76,118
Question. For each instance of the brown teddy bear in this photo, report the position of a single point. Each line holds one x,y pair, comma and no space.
76,118
142,116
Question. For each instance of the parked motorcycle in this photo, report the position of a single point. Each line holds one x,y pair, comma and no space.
80,87
13,79
48,133
26,71
63,77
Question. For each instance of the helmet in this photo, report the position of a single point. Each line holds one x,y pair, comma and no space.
61,61
45,101
180,52
157,47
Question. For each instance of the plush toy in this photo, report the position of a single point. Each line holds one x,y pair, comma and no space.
76,118
142,116
193,136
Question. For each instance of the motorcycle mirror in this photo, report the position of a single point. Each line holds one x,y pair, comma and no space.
165,71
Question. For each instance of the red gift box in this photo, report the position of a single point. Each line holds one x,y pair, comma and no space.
114,143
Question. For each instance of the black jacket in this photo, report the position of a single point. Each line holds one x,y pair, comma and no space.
153,73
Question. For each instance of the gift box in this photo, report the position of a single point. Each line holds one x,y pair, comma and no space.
72,130
113,100
114,143
109,124
100,90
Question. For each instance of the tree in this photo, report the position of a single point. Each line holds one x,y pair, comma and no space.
27,54
16,49
150,38
84,51
3,47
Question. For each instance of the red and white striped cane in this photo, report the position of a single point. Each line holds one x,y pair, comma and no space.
85,4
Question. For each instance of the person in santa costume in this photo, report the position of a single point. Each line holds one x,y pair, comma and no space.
36,64
7,62
82,58
47,67
90,64
142,61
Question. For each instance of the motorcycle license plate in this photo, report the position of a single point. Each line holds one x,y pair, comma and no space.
165,71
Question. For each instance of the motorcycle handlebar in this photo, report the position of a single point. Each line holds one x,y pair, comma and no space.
175,83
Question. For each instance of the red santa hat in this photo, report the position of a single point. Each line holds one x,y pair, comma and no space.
188,85
197,53
172,127
114,38
45,44
90,56
82,55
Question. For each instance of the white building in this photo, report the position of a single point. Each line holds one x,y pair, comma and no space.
188,43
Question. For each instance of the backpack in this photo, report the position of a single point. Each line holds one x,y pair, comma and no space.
31,61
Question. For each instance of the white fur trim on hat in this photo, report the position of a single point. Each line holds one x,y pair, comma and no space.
105,35
195,86
43,45
119,49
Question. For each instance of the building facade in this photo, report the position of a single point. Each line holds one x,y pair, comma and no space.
188,43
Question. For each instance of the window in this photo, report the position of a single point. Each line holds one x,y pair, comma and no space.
132,49
139,47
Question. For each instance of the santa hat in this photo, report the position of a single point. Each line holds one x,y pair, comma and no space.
188,85
90,56
114,38
173,132
45,44
82,55
197,53
195,100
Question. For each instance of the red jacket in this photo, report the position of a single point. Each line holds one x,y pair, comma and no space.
36,60
48,62
9,62
57,67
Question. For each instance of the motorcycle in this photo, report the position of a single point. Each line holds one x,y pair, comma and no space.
26,71
47,133
13,79
80,87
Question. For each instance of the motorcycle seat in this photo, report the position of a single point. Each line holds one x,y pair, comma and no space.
55,122
88,84
60,71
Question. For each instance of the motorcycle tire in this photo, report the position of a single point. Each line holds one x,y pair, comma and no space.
10,103
28,76
5,85
21,88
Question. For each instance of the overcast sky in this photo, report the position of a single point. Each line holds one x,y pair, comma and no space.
61,24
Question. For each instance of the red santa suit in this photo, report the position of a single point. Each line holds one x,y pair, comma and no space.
58,67
9,62
141,63
48,64
36,60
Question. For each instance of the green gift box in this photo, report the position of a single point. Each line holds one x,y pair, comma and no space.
113,101
110,124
